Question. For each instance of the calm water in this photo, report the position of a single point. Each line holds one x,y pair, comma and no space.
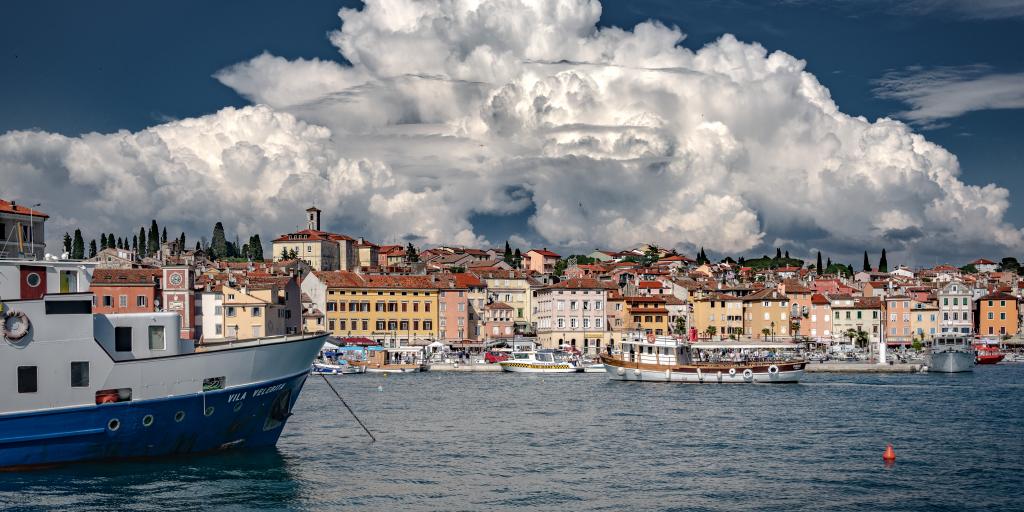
579,442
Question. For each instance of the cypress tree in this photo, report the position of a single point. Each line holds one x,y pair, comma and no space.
163,236
143,243
849,270
92,248
245,252
818,267
135,243
109,242
78,246
867,264
181,242
153,242
883,265
199,246
219,246
67,242
517,259
508,253
787,255
778,253
412,257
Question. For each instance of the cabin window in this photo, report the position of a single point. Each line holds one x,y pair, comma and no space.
27,382
156,338
80,374
122,339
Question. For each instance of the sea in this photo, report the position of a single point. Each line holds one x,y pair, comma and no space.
487,441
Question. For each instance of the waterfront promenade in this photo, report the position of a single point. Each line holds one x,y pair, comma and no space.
811,367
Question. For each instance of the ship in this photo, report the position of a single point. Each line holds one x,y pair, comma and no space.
987,354
542,361
950,353
651,358
80,386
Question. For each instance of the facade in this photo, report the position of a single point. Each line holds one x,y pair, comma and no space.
253,311
498,321
211,322
454,309
766,314
800,306
178,296
316,248
924,319
113,257
125,290
22,232
955,308
512,287
998,315
723,313
541,261
390,309
368,254
646,314
572,313
856,314
898,313
818,323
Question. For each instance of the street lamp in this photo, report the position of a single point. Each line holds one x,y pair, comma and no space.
773,331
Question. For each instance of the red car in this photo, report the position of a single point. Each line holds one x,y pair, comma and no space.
494,357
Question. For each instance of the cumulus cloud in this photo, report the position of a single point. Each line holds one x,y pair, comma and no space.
608,136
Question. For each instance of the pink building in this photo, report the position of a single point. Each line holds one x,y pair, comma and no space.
541,261
800,304
498,319
897,320
818,324
454,308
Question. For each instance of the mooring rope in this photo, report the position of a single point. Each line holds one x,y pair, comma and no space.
374,439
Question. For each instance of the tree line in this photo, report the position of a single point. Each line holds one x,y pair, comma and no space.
148,244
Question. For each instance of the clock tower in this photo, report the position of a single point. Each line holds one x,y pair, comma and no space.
178,296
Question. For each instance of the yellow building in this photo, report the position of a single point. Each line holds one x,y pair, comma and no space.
253,311
392,310
924,319
646,314
766,309
513,287
723,313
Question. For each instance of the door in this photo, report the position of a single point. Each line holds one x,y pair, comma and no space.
33,282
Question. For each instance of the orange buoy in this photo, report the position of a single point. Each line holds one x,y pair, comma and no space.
890,454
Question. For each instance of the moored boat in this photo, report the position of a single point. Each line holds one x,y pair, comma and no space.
393,360
542,361
987,354
950,353
668,359
84,386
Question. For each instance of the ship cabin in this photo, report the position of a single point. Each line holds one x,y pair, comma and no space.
650,349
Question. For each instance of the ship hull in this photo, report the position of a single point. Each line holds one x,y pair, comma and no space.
249,416
951,362
515,367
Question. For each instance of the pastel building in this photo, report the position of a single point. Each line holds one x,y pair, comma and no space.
572,313
541,261
998,314
955,307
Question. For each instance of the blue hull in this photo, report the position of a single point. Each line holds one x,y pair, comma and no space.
244,417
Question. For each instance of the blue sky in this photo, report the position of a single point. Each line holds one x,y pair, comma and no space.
77,67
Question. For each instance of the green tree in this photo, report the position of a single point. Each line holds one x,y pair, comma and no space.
103,241
153,243
256,247
867,264
181,242
651,255
766,332
199,246
711,330
78,246
680,325
143,243
508,253
219,246
412,256
111,243
818,268
457,270
517,259
787,255
849,271
778,253
1010,264
92,248
163,235
969,269
883,264
67,242
917,344
135,243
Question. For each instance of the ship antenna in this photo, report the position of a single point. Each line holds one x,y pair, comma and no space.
374,439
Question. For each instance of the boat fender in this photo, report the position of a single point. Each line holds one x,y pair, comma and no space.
773,370
668,374
15,325
732,372
700,376
637,372
621,371
719,374
748,374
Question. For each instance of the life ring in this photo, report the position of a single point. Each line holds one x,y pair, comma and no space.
748,374
15,325
773,370
732,372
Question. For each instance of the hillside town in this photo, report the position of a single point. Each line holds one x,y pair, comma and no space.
470,298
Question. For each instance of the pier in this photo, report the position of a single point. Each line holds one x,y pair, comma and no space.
863,368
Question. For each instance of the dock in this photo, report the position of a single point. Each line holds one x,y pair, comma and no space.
460,367
863,368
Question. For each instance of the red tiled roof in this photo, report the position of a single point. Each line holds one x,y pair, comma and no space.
982,261
11,207
818,298
123,277
544,252
649,284
581,283
498,305
305,235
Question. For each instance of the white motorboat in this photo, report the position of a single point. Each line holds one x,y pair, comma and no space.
950,353
542,361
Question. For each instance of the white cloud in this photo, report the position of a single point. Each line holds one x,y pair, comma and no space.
947,92
457,108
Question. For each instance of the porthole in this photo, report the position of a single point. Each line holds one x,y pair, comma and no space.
147,420
238,406
208,411
33,279
114,424
178,416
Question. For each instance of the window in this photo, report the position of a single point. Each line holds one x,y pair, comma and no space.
572,323
330,325
231,311
255,331
108,301
27,382
405,306
218,310
462,308
156,338
991,315
1002,316
415,306
403,325
426,307
219,329
122,339
427,325
140,301
381,325
561,323
80,374
332,306
257,312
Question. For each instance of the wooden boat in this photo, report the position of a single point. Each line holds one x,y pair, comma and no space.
667,359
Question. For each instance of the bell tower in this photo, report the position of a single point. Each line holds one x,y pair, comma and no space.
313,218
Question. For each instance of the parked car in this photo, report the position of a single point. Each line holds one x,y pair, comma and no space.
494,357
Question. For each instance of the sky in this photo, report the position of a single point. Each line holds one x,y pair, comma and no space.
737,126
